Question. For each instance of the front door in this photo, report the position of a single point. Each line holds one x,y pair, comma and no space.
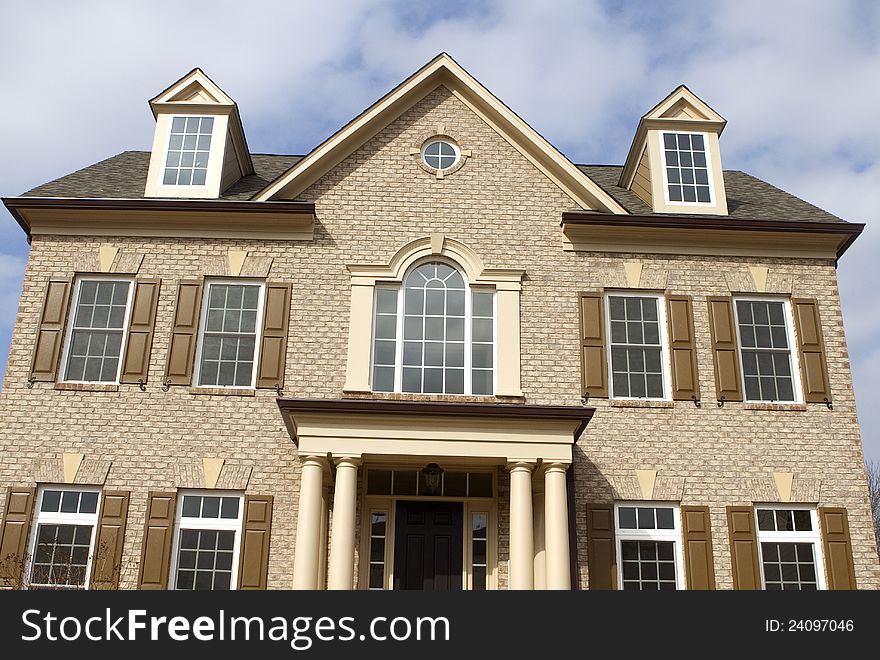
428,545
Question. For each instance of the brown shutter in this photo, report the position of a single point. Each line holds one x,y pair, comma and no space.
594,367
273,347
253,567
50,335
136,363
697,534
158,530
685,377
838,548
724,347
184,333
814,370
601,547
107,561
14,535
743,547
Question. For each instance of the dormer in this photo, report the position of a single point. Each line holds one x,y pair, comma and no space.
199,148
674,163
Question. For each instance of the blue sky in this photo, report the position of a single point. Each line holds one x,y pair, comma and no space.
797,81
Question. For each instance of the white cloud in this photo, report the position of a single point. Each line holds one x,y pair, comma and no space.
795,79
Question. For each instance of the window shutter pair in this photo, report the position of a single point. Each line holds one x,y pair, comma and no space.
253,561
836,543
50,334
107,559
696,541
811,350
683,357
185,330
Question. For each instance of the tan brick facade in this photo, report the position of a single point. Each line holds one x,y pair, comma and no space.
508,212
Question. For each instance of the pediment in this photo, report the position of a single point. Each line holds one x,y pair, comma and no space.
446,72
682,103
193,88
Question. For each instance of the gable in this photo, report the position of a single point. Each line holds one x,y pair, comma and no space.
443,71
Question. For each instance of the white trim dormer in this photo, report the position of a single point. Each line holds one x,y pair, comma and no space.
228,159
647,169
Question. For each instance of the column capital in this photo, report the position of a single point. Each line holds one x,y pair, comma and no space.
519,466
556,467
347,461
314,460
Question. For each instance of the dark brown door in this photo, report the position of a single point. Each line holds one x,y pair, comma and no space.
428,546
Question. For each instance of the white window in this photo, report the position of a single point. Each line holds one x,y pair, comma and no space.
440,154
97,331
230,334
687,171
479,550
378,542
790,550
638,352
206,541
766,346
435,336
189,145
648,547
63,542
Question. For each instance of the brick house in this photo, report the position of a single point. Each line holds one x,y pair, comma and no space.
433,353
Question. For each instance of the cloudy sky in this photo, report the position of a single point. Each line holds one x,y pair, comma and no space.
797,81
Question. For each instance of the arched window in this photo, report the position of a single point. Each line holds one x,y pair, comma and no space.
434,335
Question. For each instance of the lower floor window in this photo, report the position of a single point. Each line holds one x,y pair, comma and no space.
207,541
63,542
789,542
649,546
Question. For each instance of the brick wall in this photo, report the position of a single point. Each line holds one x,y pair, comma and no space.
500,205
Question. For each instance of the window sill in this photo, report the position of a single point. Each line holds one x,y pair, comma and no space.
640,403
757,405
223,391
452,398
88,387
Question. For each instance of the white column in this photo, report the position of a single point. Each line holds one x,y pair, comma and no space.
308,527
540,553
522,547
340,574
556,527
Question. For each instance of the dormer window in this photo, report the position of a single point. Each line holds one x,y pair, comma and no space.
687,173
188,150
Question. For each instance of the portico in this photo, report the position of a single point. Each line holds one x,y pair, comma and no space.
455,518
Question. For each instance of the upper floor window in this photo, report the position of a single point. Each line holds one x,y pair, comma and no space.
637,329
64,538
206,545
97,332
435,335
229,337
186,163
687,172
649,547
765,341
789,543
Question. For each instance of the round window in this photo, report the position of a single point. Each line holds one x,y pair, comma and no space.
440,154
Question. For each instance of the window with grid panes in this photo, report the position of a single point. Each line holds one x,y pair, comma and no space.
436,335
64,537
440,154
765,350
98,328
636,347
207,541
479,550
188,149
230,333
789,546
648,547
687,172
378,533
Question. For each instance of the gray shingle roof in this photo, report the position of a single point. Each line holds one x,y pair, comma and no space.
124,176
